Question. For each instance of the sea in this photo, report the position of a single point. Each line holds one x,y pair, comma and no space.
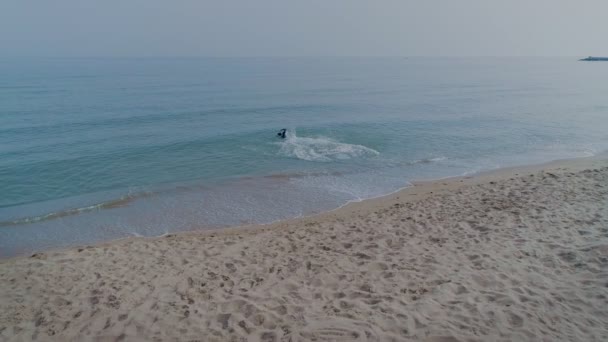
96,149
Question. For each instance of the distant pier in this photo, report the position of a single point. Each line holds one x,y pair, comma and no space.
594,59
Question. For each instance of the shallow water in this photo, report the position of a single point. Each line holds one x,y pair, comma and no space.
97,149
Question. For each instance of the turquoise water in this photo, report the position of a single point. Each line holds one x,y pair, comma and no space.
98,149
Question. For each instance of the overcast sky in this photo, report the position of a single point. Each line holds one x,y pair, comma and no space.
303,27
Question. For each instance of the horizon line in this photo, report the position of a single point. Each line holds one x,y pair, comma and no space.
292,56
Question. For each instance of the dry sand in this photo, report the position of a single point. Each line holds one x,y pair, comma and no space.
519,255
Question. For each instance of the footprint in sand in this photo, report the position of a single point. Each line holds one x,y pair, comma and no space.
335,330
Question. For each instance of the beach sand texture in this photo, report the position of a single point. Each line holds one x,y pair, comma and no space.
514,255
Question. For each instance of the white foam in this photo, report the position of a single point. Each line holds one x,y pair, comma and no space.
589,152
322,149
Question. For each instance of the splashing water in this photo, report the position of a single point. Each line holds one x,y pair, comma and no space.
321,149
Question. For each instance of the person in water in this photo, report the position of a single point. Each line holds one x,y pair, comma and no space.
282,133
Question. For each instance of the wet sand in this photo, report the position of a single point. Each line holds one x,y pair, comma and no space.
517,254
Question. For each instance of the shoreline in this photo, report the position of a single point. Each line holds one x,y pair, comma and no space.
416,190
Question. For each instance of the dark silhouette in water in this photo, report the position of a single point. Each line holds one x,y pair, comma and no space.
282,133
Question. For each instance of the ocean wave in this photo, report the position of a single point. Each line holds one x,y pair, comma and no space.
589,152
111,204
322,149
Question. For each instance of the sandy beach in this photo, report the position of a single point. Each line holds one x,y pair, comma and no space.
516,254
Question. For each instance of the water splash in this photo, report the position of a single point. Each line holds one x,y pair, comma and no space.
321,149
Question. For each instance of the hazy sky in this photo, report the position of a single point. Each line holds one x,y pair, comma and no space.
303,27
